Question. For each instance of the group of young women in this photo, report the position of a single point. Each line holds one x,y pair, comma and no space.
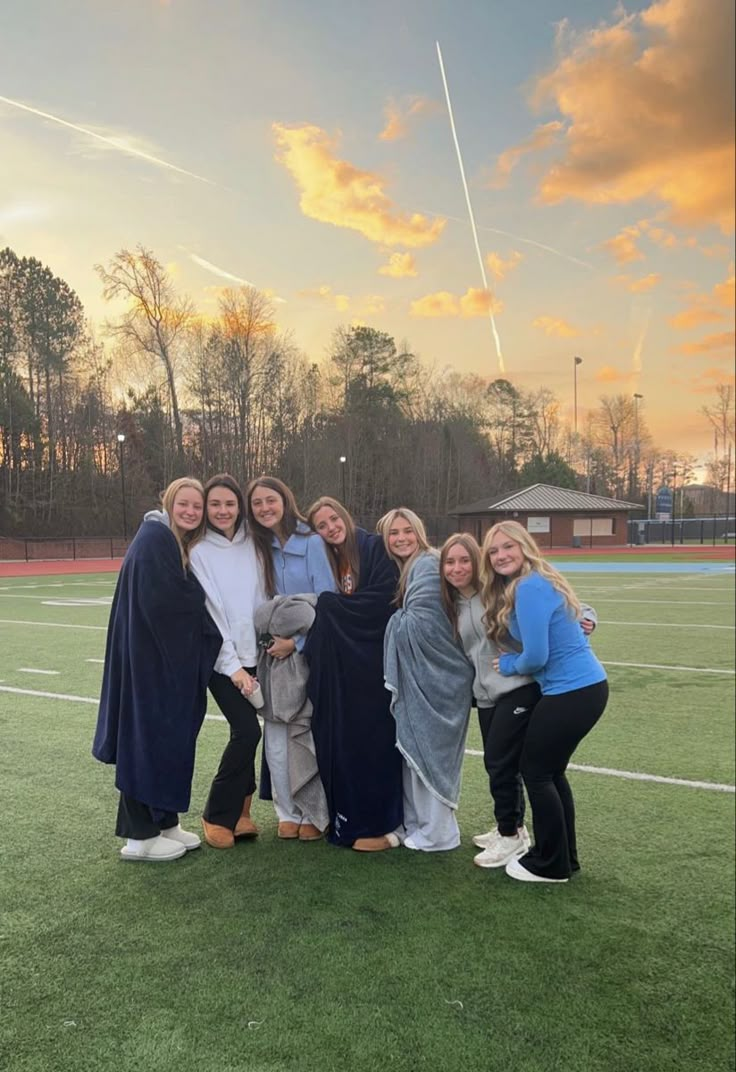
363,654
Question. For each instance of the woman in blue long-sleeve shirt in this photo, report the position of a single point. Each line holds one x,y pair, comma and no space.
528,599
295,562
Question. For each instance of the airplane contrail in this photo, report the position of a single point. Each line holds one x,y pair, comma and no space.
210,267
496,339
116,143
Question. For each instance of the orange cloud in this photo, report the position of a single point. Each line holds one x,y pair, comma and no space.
623,247
544,136
707,308
335,191
647,104
371,305
639,286
500,268
705,381
324,293
552,325
475,302
400,117
720,341
399,266
611,374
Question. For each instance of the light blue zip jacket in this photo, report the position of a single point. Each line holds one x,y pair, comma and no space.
302,565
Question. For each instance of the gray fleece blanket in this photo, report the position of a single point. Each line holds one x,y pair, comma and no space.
430,681
284,686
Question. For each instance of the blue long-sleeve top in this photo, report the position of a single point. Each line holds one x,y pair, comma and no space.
302,565
555,651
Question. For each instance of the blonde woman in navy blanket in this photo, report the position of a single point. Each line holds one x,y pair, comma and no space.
530,601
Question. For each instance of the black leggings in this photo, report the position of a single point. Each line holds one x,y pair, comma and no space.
139,821
236,776
556,727
503,729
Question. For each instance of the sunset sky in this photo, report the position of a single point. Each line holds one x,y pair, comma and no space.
305,147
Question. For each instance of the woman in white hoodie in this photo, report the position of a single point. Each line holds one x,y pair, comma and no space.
226,565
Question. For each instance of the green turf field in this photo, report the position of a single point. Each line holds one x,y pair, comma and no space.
288,957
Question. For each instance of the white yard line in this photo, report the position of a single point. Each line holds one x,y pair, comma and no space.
94,661
638,776
33,670
54,625
660,666
671,602
58,584
668,625
631,775
62,601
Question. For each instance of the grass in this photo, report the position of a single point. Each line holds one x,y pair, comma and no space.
285,957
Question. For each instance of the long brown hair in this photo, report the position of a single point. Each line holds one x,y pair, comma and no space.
383,527
263,537
185,540
347,554
447,591
498,594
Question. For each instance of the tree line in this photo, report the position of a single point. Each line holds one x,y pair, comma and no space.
368,422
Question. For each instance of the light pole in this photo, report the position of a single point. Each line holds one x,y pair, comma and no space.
673,474
121,447
343,460
637,400
576,361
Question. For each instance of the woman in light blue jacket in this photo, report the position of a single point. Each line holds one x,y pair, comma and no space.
294,561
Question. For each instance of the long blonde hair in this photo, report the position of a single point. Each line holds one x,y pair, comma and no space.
498,594
448,593
185,540
383,527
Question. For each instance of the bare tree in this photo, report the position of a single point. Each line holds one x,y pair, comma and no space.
156,316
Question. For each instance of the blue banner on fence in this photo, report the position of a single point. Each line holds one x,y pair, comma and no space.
663,503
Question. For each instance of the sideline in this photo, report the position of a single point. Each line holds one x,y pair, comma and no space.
717,787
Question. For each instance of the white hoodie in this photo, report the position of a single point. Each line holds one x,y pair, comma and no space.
230,574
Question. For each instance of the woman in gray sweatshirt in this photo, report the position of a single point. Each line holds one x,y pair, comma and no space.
504,703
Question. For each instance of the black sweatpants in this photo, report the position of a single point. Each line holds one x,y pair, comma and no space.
556,727
236,776
139,821
503,729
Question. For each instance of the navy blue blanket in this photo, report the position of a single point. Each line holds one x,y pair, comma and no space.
354,731
161,650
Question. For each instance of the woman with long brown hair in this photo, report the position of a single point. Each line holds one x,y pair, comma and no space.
161,648
529,602
354,732
294,562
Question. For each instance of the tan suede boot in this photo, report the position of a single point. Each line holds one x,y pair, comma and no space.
219,837
245,827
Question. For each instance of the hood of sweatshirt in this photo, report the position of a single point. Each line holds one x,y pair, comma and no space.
212,536
158,515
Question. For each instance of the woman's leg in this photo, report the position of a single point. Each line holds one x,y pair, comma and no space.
138,821
506,731
275,744
557,725
236,776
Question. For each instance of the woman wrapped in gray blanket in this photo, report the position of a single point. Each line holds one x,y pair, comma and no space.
430,680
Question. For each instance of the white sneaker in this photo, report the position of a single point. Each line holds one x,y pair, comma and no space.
501,851
183,837
515,869
524,833
153,850
484,841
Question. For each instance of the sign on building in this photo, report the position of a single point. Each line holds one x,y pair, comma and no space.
537,524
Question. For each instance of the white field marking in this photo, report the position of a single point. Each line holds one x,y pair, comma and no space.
637,776
33,670
631,775
72,602
62,601
94,660
54,625
672,602
58,584
660,666
668,625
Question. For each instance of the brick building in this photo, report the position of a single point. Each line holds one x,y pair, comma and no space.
556,517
